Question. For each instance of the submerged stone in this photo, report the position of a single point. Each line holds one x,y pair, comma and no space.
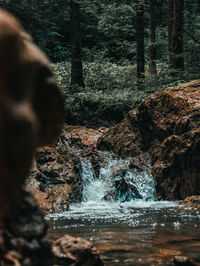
123,188
70,250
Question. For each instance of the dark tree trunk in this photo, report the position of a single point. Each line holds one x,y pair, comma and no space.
152,37
175,34
140,38
76,65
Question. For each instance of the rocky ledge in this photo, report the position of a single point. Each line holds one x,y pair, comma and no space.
55,179
55,176
166,126
164,129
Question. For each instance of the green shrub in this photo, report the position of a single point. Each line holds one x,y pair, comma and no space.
110,91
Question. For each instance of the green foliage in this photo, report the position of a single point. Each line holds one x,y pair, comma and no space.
48,23
117,24
110,91
191,47
109,49
61,53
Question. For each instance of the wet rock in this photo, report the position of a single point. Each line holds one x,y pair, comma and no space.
165,128
95,158
69,250
55,179
55,176
174,136
82,141
183,260
123,189
21,239
81,137
26,224
175,166
123,139
193,202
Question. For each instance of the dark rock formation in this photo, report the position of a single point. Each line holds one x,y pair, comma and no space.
75,251
183,260
78,137
166,126
192,201
21,240
123,189
175,166
176,157
123,139
55,178
84,140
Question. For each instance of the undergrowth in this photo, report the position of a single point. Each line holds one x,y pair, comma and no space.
110,91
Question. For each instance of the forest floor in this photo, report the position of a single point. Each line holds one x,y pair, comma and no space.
110,92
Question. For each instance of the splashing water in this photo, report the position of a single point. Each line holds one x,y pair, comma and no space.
94,189
96,207
140,231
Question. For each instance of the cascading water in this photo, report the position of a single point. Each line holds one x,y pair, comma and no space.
95,189
120,214
112,195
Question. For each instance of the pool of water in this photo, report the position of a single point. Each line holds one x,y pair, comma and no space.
137,232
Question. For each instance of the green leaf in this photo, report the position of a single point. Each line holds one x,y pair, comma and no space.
54,33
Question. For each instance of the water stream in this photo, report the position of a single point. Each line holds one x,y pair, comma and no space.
129,226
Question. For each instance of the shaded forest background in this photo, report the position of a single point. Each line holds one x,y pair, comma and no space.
127,50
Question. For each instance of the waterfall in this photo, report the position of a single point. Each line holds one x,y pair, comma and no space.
122,193
117,179
126,185
119,212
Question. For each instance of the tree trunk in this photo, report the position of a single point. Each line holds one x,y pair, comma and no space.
175,34
76,50
152,37
140,38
